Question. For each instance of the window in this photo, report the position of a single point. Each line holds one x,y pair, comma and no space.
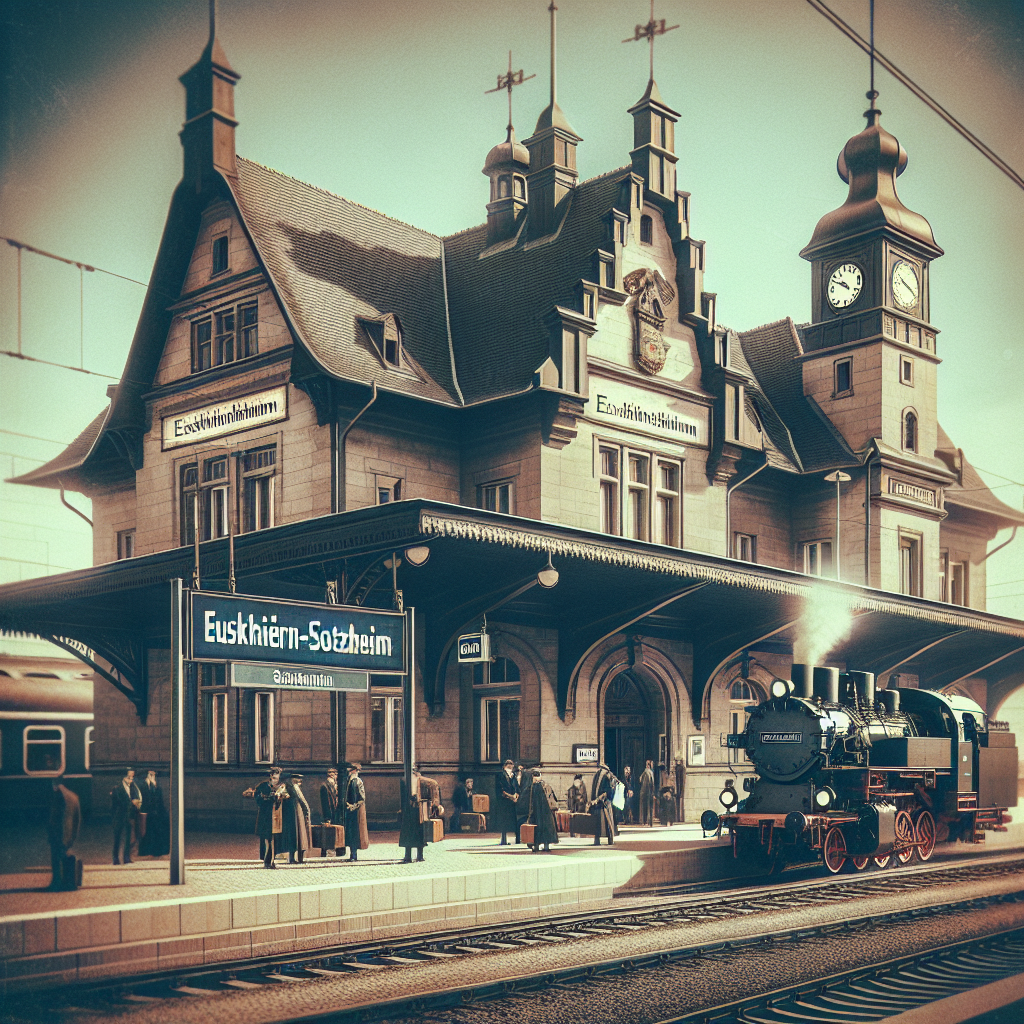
387,728
497,670
219,727
844,376
667,504
652,504
220,255
389,488
910,566
43,750
574,357
504,187
125,544
519,186
497,497
589,302
263,727
910,432
818,558
213,490
88,740
392,342
609,273
952,580
646,230
740,690
499,729
733,411
258,472
722,348
231,334
744,547
907,371
212,721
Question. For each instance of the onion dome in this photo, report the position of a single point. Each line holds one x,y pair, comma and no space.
507,156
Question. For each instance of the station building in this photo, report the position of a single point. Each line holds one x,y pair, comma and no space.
323,389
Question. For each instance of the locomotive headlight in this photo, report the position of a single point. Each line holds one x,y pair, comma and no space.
780,688
728,798
824,798
709,821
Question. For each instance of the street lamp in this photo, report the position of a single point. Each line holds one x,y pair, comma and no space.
838,477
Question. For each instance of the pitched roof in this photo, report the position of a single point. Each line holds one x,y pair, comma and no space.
969,490
68,460
334,261
499,300
772,352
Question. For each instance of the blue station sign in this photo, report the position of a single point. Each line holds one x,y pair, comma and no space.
231,627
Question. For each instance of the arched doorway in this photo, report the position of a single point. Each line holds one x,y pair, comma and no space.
634,724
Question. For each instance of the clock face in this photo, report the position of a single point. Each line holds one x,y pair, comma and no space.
844,285
905,285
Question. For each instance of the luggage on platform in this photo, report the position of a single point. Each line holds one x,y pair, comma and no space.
481,803
328,837
581,824
527,833
140,825
433,830
72,872
563,821
470,822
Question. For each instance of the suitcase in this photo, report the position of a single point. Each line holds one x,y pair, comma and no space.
581,824
563,820
328,837
527,833
72,872
433,830
481,803
470,822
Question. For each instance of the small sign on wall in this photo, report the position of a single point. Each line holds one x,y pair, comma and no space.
474,647
585,753
695,751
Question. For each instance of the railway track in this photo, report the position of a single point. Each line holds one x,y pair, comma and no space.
635,915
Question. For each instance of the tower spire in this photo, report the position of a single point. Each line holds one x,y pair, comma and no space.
554,26
649,31
508,82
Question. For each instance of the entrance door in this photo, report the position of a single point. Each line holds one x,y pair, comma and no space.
628,736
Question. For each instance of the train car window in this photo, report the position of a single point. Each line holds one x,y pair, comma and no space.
43,752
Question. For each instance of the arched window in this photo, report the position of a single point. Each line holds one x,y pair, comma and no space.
646,230
503,670
910,432
741,691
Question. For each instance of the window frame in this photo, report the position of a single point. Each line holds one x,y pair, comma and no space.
820,544
219,724
617,490
497,700
257,486
749,540
88,741
907,364
263,697
214,497
910,565
393,485
27,741
506,485
839,365
646,236
210,335
393,720
125,544
215,257
910,439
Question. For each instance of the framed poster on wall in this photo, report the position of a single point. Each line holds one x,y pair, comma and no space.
695,751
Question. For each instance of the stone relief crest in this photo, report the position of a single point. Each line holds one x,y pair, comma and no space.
651,292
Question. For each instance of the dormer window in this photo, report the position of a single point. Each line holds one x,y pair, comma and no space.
220,255
386,335
646,230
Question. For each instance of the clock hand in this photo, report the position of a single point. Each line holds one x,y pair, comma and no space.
843,283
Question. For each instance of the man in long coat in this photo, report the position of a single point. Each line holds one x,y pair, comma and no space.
415,814
506,791
543,804
270,795
125,801
629,809
462,803
576,800
61,831
647,795
357,835
297,829
330,812
157,838
602,789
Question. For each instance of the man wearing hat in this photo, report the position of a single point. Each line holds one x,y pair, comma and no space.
576,799
125,801
330,813
507,790
602,790
357,836
543,804
296,833
269,795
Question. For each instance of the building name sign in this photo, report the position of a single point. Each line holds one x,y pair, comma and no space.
474,647
649,411
212,421
584,753
296,677
782,737
904,490
228,627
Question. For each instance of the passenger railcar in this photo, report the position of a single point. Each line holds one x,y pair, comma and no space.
852,776
46,725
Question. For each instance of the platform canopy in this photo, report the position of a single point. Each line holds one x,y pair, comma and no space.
487,563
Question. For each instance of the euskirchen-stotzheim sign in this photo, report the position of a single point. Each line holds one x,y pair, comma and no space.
294,644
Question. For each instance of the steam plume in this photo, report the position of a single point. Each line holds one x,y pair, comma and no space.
825,622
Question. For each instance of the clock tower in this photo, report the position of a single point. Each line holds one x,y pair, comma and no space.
870,331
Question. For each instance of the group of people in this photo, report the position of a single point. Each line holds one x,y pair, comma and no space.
652,796
139,818
523,797
284,822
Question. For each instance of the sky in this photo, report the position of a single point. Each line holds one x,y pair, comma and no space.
385,103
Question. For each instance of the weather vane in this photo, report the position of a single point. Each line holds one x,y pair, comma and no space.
649,31
508,82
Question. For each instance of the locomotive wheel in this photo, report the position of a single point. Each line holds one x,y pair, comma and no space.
834,850
904,838
860,863
882,862
924,829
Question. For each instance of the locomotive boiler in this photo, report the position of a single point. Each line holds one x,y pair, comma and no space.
854,776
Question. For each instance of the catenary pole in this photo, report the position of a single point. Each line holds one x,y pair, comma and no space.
177,738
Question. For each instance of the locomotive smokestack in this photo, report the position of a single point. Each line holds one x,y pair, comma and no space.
890,700
802,680
826,684
864,686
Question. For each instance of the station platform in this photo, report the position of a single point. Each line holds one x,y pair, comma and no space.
127,919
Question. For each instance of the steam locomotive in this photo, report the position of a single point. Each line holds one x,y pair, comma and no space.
854,776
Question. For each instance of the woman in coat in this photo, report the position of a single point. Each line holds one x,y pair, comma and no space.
296,833
357,836
543,804
602,789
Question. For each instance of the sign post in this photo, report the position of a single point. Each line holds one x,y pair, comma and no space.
409,709
177,738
